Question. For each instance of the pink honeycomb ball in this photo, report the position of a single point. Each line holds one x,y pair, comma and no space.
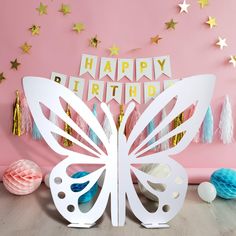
22,177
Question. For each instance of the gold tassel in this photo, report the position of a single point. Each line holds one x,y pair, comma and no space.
67,129
177,122
120,117
16,129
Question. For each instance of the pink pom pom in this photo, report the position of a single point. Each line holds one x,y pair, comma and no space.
22,177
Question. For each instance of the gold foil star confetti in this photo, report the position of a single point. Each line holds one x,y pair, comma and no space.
233,60
155,39
78,27
221,43
203,3
211,22
65,9
184,7
171,24
26,48
114,50
35,30
94,41
42,9
2,77
15,64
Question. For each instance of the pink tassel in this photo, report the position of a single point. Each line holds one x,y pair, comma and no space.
83,125
132,120
26,121
197,138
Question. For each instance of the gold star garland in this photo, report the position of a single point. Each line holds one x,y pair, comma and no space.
114,50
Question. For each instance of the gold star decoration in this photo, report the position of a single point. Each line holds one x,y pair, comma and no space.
233,60
2,77
184,7
171,24
221,43
203,3
65,9
211,22
26,48
42,9
94,41
78,27
15,64
114,50
35,30
155,39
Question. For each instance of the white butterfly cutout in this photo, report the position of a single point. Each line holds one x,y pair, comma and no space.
119,160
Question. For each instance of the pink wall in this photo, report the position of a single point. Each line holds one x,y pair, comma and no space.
129,24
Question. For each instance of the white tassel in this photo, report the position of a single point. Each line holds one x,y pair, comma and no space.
164,145
107,127
53,118
226,125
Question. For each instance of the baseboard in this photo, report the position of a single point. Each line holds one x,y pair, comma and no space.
195,175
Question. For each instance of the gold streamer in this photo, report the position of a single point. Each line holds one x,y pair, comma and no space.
67,129
120,117
177,122
16,129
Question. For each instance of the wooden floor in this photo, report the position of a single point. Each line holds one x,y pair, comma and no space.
35,215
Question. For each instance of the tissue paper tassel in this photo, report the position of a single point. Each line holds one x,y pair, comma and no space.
196,139
164,145
54,119
36,133
132,120
26,120
177,122
22,177
106,126
207,127
226,125
92,134
83,126
16,128
66,142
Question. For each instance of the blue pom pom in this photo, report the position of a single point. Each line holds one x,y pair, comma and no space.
224,181
88,196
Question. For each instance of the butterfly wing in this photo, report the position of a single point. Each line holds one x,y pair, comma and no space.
193,90
45,93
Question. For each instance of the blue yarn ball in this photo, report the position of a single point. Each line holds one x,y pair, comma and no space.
224,181
88,196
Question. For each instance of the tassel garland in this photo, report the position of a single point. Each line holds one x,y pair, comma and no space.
16,128
164,145
207,128
177,122
92,134
66,142
26,120
226,124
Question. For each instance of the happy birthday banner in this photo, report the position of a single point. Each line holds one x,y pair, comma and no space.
125,68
